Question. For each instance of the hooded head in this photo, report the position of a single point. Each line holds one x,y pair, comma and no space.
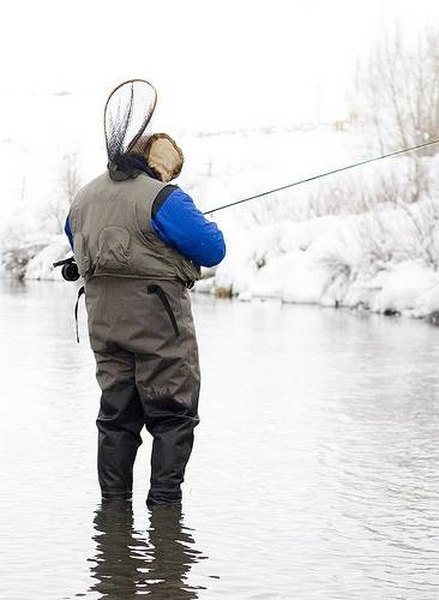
162,155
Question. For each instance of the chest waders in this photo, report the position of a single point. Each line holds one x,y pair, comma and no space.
141,332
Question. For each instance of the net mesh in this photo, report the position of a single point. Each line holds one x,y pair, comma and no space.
128,111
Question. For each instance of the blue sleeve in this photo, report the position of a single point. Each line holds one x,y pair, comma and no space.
180,224
68,232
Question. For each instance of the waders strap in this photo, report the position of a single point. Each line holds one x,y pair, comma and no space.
81,292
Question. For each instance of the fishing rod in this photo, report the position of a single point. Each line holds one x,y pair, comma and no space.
320,175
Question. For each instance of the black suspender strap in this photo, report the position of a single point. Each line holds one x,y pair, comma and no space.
81,292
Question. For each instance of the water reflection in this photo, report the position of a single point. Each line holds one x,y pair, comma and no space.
129,562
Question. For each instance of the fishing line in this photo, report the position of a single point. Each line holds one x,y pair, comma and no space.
320,175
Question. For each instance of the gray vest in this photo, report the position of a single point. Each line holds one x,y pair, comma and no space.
113,234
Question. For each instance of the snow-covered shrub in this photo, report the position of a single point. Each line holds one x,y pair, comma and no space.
41,265
18,247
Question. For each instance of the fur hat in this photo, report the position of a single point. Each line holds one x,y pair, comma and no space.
162,154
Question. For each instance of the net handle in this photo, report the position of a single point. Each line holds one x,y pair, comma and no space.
151,111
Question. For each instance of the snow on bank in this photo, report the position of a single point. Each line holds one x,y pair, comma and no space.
381,261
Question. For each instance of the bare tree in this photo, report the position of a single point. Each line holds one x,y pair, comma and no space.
397,91
397,101
69,183
70,179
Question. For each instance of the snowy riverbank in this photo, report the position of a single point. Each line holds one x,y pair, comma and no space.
382,261
371,261
348,241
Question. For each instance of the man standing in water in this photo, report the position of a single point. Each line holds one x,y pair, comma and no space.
139,244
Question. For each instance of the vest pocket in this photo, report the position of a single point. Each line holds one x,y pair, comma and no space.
113,250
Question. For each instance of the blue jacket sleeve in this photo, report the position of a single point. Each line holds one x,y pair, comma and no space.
68,232
180,224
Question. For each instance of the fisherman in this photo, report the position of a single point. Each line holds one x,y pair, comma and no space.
139,242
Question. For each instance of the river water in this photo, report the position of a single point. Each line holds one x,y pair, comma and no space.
314,474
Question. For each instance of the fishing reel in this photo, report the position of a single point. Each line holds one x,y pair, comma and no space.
69,269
